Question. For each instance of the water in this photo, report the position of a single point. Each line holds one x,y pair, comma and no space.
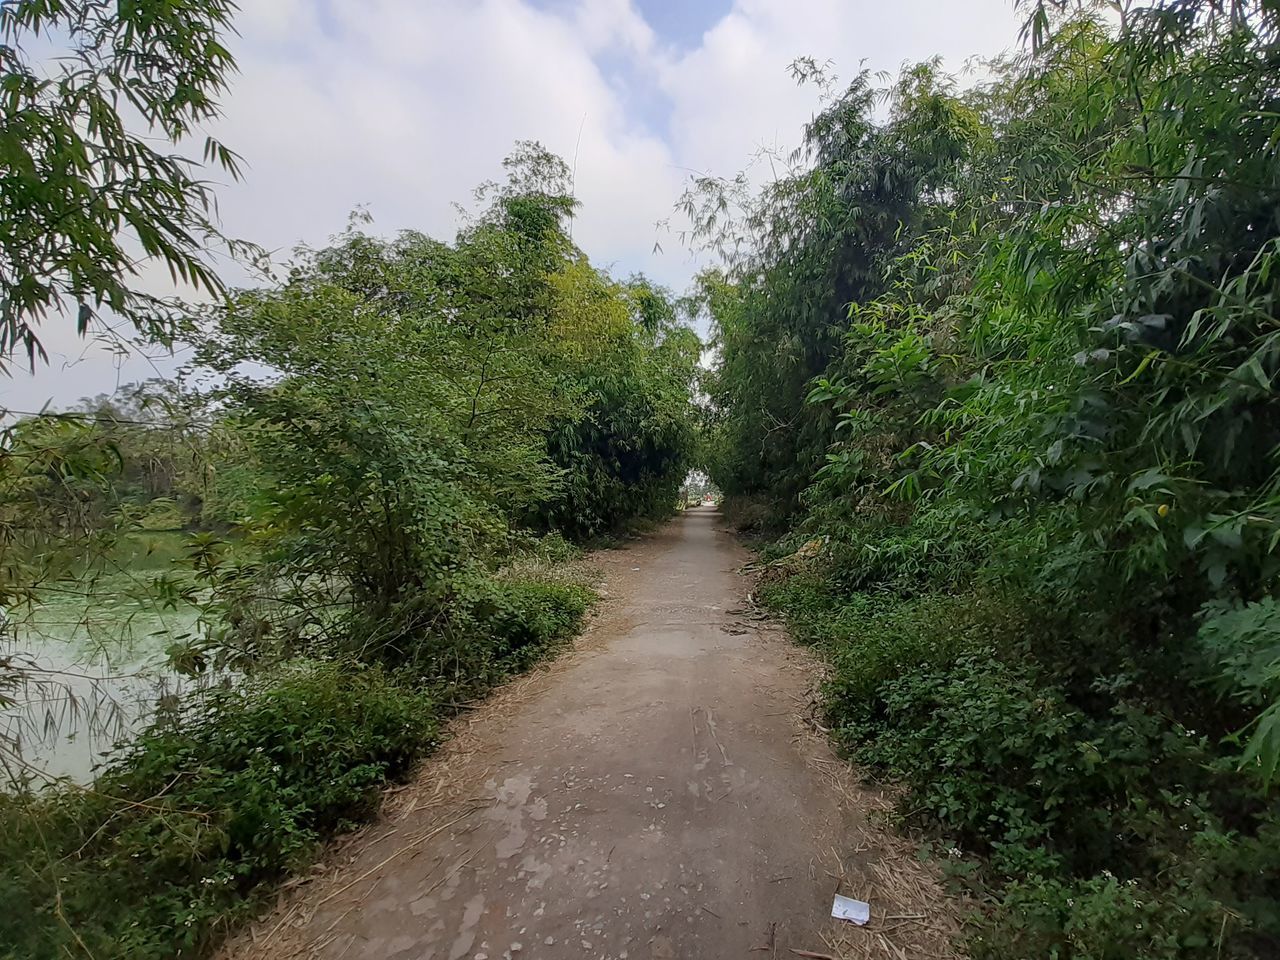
97,671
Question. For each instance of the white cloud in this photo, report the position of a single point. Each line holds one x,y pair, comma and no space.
733,94
609,24
406,105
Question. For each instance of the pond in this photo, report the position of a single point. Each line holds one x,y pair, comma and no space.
97,671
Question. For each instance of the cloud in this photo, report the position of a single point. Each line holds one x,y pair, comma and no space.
404,106
733,94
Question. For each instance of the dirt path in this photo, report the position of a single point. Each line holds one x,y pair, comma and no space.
653,795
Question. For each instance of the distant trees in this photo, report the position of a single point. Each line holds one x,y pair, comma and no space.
91,95
696,488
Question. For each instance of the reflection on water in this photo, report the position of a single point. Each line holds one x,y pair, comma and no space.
92,681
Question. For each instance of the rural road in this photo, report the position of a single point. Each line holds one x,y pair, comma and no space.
653,795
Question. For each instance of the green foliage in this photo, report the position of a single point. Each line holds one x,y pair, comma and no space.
1243,643
1104,918
633,366
519,620
422,405
1038,448
823,236
961,699
81,194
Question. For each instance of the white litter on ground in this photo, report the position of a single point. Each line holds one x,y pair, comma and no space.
855,911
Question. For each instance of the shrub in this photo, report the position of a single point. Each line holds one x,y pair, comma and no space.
873,638
1105,918
1001,759
524,617
499,627
1108,828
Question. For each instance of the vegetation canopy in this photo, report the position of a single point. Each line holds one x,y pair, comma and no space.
1007,355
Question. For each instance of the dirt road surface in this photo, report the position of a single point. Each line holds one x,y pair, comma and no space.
655,794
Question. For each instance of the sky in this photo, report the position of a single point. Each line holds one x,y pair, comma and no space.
402,107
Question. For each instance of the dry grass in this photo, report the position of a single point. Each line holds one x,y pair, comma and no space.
911,915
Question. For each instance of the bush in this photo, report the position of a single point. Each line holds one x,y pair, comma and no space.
1108,829
497,628
1104,918
872,638
524,617
1002,760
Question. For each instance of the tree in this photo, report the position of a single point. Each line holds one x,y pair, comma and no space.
84,196
412,408
818,239
632,365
